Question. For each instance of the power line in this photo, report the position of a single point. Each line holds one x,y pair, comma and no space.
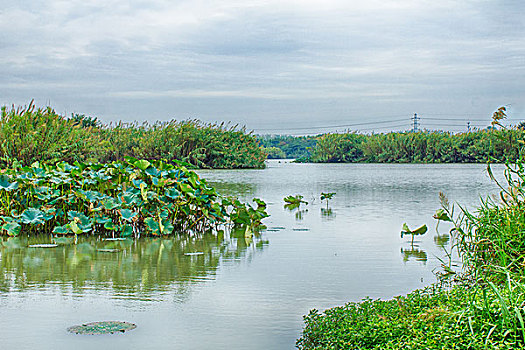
336,126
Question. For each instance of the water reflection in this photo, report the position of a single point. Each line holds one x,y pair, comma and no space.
129,267
414,253
296,209
327,213
442,240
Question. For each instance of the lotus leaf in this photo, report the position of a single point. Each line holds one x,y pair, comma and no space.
62,230
441,215
110,226
32,216
6,185
12,228
127,214
153,225
74,227
142,164
126,231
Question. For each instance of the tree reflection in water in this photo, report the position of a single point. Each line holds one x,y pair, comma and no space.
127,267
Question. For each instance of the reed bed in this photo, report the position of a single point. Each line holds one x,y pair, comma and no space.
30,134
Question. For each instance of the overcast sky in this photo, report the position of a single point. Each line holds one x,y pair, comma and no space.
274,66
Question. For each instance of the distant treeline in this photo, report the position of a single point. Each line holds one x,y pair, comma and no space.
408,147
419,147
284,146
39,134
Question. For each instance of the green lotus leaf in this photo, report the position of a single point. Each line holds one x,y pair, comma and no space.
61,230
130,160
110,226
167,228
102,219
152,171
155,181
142,164
127,214
49,213
172,193
126,231
138,183
442,215
12,228
32,216
110,204
6,185
74,227
152,225
417,232
82,219
130,198
185,188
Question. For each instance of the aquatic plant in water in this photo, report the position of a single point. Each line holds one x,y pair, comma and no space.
122,198
326,196
417,232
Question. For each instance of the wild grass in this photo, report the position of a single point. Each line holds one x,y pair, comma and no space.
30,134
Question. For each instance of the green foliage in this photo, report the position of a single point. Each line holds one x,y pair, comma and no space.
417,232
338,148
126,198
464,317
297,199
297,147
326,196
422,147
30,134
275,153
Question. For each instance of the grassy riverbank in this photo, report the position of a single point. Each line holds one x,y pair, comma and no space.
40,134
483,309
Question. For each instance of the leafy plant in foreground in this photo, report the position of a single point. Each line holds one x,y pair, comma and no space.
126,198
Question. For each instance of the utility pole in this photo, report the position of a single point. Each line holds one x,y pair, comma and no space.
416,124
468,126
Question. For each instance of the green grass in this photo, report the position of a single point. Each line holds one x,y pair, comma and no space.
39,134
433,318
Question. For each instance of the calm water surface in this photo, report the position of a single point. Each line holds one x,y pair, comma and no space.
239,294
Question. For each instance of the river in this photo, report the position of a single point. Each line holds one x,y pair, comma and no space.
230,292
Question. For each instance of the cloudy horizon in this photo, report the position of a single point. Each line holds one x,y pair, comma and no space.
287,66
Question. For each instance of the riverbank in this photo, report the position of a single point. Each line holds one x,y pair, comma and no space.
398,147
32,134
484,308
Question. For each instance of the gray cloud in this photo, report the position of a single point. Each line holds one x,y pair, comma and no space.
266,64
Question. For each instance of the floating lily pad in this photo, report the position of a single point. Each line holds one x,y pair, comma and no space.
194,253
49,245
104,327
276,228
